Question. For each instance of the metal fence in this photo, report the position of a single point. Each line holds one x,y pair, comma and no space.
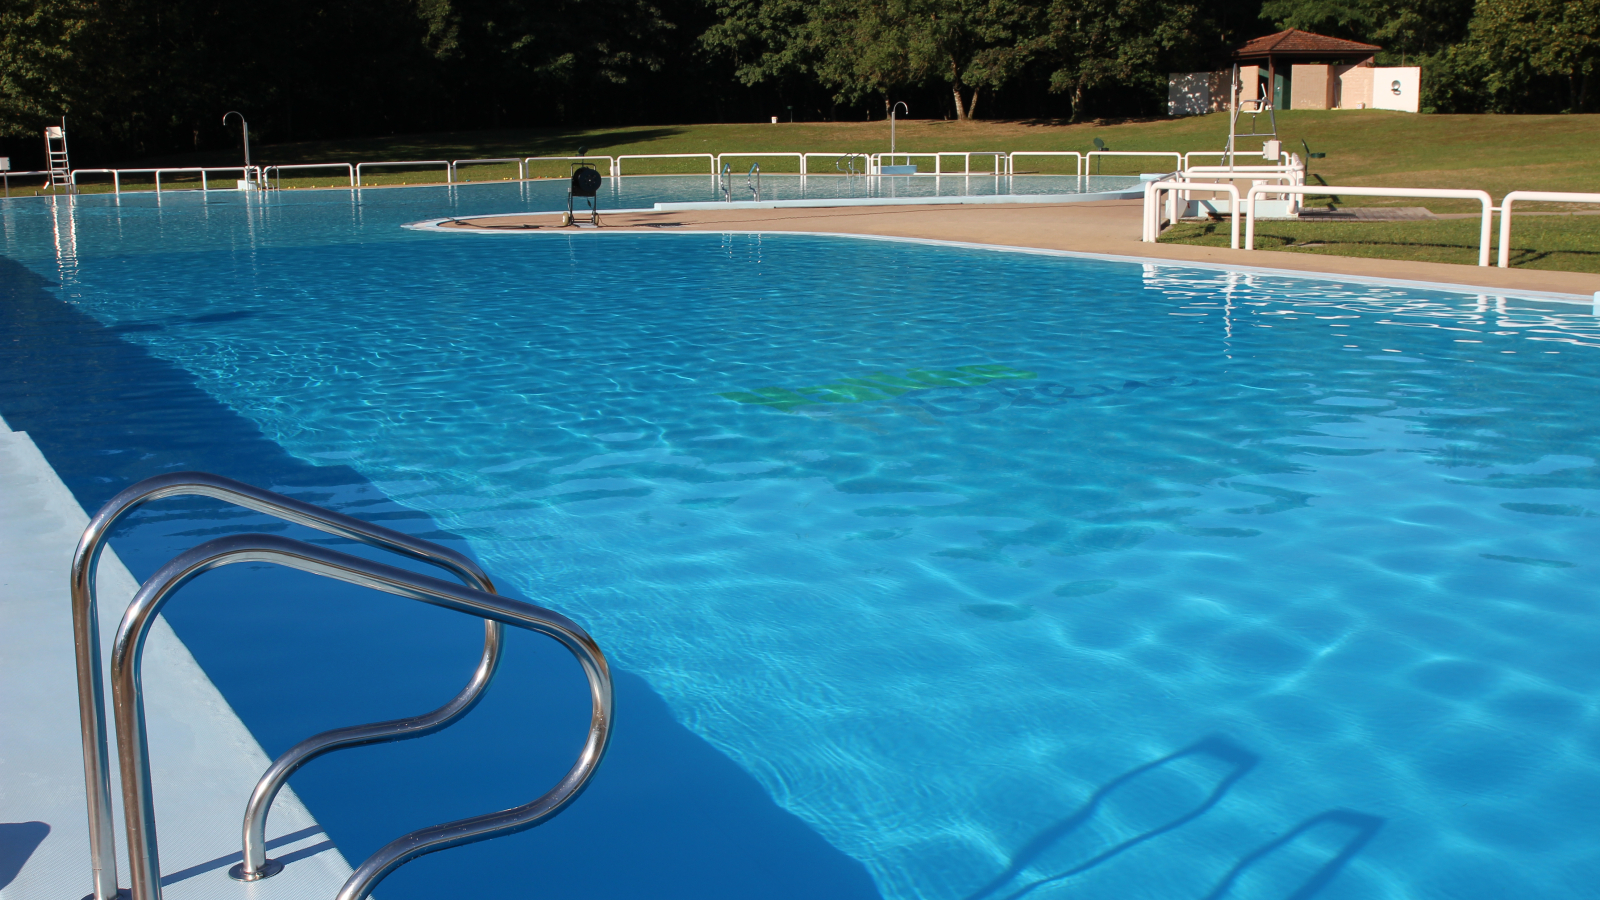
961,163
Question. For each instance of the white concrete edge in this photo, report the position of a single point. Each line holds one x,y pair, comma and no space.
436,225
203,759
975,199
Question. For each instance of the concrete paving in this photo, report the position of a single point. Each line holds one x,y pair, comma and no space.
203,760
1108,227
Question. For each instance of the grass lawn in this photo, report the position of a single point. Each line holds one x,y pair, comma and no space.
1562,243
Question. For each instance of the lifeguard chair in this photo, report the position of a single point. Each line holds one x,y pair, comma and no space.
584,185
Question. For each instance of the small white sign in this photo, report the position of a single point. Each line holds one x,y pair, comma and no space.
5,163
1397,88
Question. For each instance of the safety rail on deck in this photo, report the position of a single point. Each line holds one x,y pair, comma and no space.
830,158
1173,188
709,157
449,171
1077,161
476,598
1092,156
878,160
275,173
764,155
1325,189
116,174
1002,161
7,175
1537,197
611,162
1262,154
455,165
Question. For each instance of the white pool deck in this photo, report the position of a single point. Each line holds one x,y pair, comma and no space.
203,760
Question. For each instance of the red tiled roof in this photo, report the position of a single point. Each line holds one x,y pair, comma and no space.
1295,42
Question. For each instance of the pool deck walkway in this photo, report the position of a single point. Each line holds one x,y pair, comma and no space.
203,760
1107,227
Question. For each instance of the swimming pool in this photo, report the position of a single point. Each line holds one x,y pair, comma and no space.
931,572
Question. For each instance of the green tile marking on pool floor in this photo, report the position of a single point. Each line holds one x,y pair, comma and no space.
877,386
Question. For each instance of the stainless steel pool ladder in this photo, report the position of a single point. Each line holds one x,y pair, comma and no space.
476,598
752,180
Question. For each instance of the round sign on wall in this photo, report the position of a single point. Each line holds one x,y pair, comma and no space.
1396,88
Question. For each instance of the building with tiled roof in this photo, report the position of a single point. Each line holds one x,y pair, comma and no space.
1303,46
1300,70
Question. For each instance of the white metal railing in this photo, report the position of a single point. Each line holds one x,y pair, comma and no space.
1092,155
1435,193
877,160
829,157
277,171
1288,170
1002,161
7,175
448,170
1221,153
116,174
800,156
455,166
1077,162
1173,188
708,157
1537,196
528,161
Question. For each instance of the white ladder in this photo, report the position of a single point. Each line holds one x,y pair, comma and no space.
55,145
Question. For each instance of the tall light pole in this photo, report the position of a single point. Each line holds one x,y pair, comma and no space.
892,110
246,126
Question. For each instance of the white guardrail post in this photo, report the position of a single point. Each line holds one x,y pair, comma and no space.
1484,232
1152,205
1536,196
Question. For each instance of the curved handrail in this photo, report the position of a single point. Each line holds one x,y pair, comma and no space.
752,180
128,698
86,634
725,179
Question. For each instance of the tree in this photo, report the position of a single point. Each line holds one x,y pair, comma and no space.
41,61
1513,42
1089,43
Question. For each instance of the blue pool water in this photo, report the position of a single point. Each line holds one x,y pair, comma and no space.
930,572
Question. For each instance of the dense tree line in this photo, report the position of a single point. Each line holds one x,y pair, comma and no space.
151,76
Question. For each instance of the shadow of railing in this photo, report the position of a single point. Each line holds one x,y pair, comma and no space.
1363,826
1239,762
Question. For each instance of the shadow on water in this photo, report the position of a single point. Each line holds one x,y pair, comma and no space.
1362,826
1281,852
1241,761
668,816
18,840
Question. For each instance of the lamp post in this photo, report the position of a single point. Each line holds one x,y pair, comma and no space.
246,127
892,111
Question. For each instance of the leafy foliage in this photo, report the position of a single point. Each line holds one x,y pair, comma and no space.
150,76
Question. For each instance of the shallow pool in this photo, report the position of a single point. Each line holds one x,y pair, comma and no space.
932,572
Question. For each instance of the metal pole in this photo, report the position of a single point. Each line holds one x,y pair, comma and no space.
245,128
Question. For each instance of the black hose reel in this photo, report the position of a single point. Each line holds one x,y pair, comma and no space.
585,183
